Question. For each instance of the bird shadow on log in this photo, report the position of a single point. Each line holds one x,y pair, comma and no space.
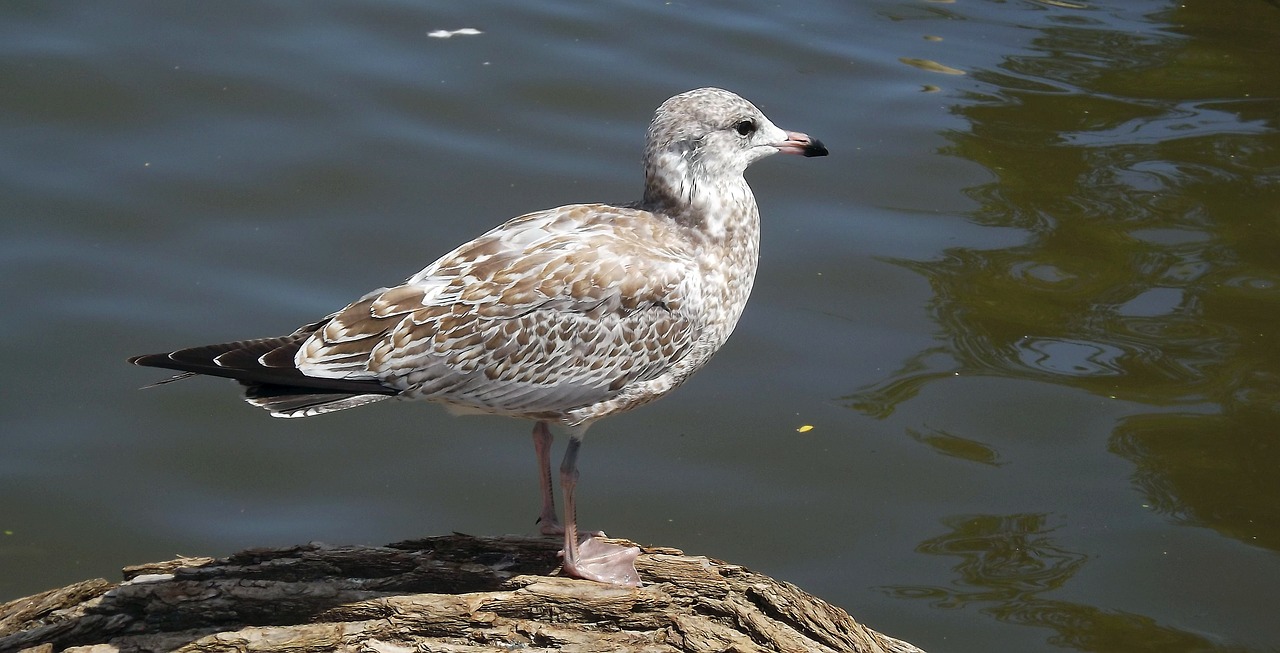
455,593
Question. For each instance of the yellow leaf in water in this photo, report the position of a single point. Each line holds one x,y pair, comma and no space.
805,429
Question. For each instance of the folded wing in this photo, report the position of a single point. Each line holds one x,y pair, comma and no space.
541,315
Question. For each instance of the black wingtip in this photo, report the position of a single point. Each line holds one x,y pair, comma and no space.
148,360
244,361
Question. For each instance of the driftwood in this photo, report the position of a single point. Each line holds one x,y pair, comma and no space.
456,594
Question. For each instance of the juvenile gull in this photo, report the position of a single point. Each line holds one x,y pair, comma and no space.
562,316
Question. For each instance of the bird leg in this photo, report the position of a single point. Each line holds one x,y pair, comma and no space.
594,559
549,523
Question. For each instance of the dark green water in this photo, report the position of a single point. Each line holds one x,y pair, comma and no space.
1029,305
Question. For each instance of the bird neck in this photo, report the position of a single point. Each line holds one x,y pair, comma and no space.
720,207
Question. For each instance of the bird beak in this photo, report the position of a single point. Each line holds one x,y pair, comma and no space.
798,143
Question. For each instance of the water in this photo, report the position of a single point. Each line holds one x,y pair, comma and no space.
1029,310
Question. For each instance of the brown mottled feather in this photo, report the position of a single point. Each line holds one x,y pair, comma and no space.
560,335
568,314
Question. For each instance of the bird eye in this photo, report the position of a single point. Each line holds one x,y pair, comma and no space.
744,127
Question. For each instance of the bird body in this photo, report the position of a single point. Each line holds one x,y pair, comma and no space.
567,315
562,316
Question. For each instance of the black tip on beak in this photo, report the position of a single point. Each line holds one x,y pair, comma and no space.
800,143
815,148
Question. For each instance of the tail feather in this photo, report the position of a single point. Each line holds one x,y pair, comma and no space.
287,401
265,367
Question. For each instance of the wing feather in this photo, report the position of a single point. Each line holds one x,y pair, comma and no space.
547,313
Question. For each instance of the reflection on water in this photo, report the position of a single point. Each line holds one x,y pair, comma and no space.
1140,156
1144,167
956,446
1006,559
1065,356
1203,471
1008,562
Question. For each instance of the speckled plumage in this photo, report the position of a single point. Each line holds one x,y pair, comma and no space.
563,316
554,315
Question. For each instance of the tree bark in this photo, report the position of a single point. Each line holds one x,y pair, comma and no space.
453,594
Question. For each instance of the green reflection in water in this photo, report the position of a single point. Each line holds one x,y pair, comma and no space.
1201,470
1141,156
1008,561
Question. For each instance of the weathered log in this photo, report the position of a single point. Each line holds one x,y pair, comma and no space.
452,594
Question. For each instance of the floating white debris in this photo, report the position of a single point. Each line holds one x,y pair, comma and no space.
444,33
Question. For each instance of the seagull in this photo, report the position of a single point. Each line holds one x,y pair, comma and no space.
562,316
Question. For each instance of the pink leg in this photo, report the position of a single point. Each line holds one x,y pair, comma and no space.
593,559
542,438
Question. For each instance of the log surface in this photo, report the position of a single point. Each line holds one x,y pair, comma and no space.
452,594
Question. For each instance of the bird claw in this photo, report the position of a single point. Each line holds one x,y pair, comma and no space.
603,562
